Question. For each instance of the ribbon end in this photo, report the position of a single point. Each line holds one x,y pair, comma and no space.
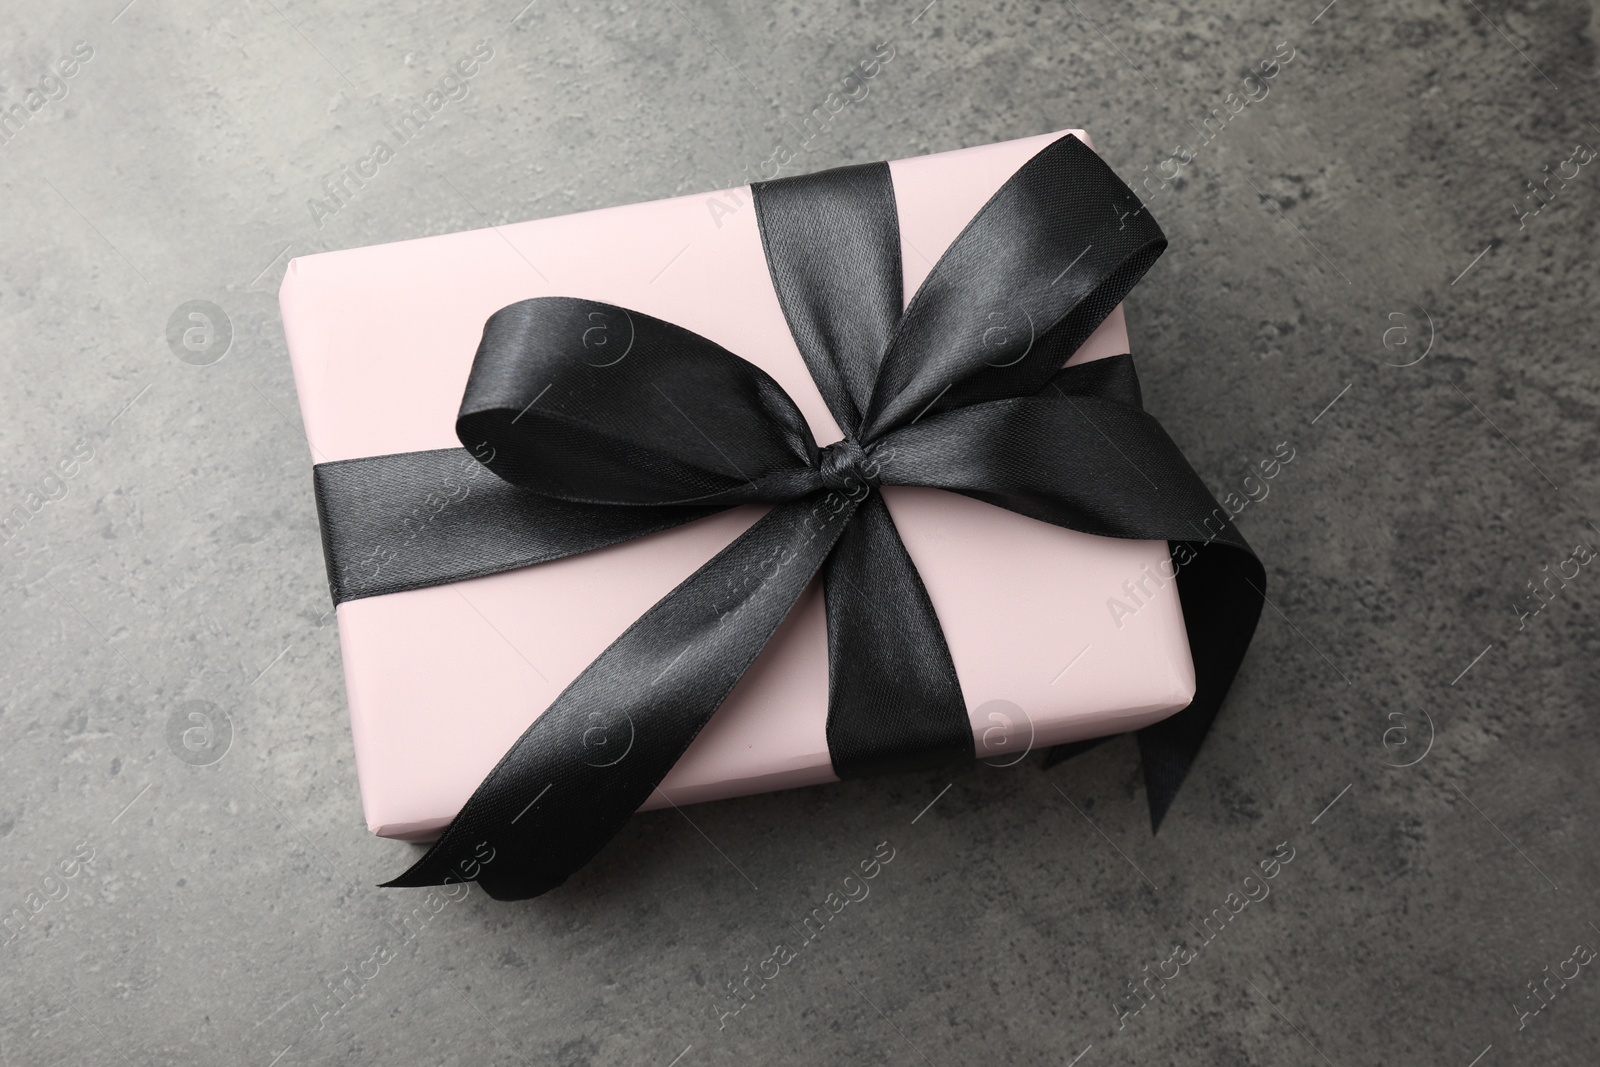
1167,754
1162,775
409,880
1160,804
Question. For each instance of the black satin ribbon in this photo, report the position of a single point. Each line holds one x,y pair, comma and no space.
601,424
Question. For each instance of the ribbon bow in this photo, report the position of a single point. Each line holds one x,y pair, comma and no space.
963,391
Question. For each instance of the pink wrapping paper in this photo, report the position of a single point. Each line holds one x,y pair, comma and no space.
382,339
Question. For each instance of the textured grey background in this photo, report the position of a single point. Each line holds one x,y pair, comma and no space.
1374,190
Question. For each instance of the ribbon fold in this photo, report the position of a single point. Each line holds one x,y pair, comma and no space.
963,391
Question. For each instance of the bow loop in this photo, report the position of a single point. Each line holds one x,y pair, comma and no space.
1043,263
591,403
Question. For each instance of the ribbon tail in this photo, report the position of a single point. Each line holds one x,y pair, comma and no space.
1082,454
894,701
1222,590
583,767
1220,593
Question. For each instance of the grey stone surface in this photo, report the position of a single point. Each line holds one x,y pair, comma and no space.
1370,198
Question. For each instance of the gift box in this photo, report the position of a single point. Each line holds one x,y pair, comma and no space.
1056,635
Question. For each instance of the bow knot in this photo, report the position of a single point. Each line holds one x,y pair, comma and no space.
848,468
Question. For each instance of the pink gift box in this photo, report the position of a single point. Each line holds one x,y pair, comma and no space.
382,340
